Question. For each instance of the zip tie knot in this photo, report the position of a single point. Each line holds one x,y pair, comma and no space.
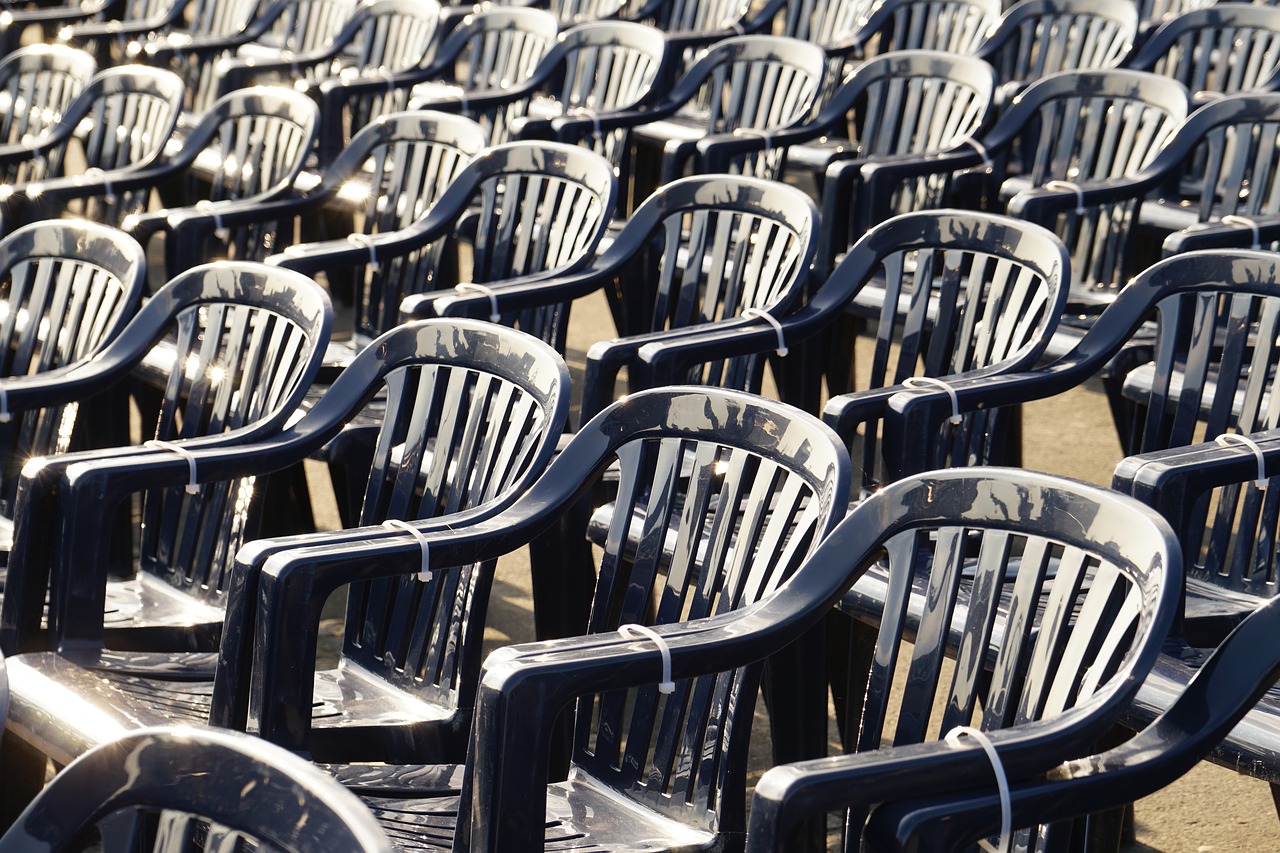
1244,440
587,112
772,321
95,172
472,287
1071,186
1237,219
931,382
424,573
632,630
758,133
365,241
192,486
208,208
977,146
1002,782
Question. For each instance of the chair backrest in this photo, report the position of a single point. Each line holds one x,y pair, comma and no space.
302,26
1223,160
542,207
242,344
473,413
153,786
407,159
823,22
251,143
962,292
67,288
592,68
381,38
1007,597
1080,126
1223,48
37,84
1213,366
912,102
122,119
700,16
495,47
707,248
728,494
748,83
1036,38
574,12
958,26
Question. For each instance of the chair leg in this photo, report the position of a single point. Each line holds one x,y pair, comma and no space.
22,778
850,646
794,683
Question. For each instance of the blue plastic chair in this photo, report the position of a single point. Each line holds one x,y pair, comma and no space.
148,788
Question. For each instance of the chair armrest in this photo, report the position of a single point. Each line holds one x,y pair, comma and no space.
717,151
91,31
1042,205
513,294
98,183
322,255
575,128
1233,234
1172,481
238,72
1220,694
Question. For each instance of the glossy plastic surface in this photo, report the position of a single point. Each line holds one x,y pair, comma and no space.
117,125
1220,49
1222,692
1021,604
694,256
591,69
39,83
725,494
470,416
1036,38
542,209
68,289
379,40
153,787
240,345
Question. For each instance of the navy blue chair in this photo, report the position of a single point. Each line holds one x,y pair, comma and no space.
147,789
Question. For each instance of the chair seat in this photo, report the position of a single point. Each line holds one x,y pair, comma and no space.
581,816
133,689
146,614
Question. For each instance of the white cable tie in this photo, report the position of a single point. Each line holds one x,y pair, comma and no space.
772,321
192,486
587,112
1244,440
1236,219
209,209
631,630
1002,782
738,29
365,241
472,287
424,573
1073,187
95,172
5,417
977,146
758,134
462,101
931,382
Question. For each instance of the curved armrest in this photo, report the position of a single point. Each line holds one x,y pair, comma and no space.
1172,481
1235,234
1042,205
272,205
1217,698
20,152
237,72
170,48
91,31
99,182
311,258
575,128
515,294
